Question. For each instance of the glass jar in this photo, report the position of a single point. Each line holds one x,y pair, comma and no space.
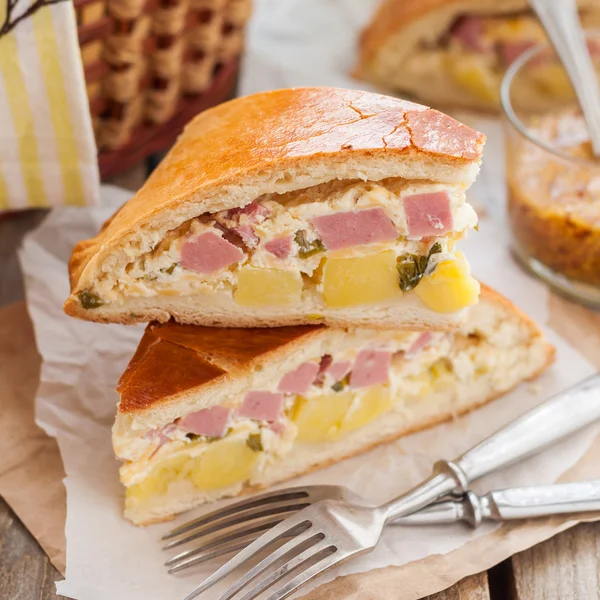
553,179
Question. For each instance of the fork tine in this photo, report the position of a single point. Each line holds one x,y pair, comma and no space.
285,528
299,542
251,533
288,567
197,560
266,498
324,564
242,518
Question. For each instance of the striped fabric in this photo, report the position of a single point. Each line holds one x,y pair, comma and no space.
47,148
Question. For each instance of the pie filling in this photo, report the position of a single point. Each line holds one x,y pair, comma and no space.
335,245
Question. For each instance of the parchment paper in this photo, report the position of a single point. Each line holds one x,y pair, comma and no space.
109,558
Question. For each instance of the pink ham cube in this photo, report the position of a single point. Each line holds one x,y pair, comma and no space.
211,422
428,214
208,253
262,406
355,228
370,368
280,247
247,235
339,369
468,29
299,380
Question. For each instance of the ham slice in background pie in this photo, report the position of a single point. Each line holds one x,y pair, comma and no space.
206,413
290,207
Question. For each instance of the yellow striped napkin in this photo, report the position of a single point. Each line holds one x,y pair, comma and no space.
47,147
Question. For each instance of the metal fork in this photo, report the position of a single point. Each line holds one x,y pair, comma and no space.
497,505
329,532
233,527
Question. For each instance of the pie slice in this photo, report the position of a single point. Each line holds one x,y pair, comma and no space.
300,206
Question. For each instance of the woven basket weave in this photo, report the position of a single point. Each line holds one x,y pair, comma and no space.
141,57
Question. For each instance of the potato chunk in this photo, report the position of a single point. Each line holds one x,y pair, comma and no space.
375,402
157,481
474,75
360,280
268,287
319,419
450,287
326,418
224,463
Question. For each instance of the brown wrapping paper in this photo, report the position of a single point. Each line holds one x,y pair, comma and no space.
31,473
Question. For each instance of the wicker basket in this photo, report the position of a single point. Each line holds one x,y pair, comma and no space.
151,64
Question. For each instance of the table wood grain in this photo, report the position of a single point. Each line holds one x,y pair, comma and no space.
566,567
470,588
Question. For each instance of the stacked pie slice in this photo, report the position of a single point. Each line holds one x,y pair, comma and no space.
296,255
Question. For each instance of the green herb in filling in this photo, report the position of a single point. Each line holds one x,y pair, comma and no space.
338,386
435,249
206,438
170,269
307,248
254,442
88,299
412,267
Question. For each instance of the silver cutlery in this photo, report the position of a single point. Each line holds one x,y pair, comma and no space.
245,521
561,22
331,531
510,504
240,524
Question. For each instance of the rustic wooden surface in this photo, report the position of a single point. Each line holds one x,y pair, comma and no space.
566,567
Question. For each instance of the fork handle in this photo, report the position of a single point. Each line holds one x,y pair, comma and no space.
541,501
511,504
542,426
558,417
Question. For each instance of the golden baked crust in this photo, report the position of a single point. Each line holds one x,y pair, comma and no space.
253,141
173,359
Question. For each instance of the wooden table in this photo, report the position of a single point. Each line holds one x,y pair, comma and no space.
566,567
